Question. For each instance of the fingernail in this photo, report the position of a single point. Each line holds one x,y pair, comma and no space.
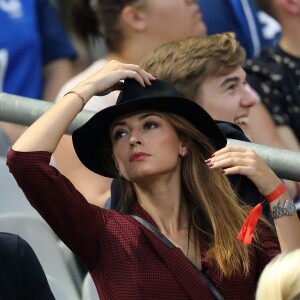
207,161
210,165
223,172
212,155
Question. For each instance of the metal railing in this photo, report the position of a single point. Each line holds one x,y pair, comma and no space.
24,111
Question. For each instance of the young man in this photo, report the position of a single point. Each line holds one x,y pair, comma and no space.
208,71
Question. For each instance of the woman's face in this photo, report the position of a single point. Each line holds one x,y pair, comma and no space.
145,146
172,20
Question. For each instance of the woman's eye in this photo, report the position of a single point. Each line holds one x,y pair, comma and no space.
119,134
150,125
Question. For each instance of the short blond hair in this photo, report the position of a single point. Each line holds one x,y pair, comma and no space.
281,278
186,64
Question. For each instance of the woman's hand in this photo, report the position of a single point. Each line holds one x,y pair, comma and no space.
244,161
108,79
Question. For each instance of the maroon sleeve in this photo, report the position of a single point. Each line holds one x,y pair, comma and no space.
68,213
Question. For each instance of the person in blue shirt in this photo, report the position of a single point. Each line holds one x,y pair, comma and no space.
254,29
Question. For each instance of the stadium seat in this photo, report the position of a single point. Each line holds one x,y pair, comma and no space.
89,291
57,289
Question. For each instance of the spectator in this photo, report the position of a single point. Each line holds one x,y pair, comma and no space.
35,53
208,70
275,74
170,156
254,29
21,274
280,280
130,28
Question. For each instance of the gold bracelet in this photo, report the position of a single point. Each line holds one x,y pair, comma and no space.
82,99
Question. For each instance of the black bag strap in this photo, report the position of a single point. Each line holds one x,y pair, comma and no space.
166,241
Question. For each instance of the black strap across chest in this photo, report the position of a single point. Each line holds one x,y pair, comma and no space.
166,241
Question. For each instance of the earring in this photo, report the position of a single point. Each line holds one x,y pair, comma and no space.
182,154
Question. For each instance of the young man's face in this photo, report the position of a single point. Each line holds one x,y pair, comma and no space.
228,98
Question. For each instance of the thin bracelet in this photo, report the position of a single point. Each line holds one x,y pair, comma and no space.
276,193
82,99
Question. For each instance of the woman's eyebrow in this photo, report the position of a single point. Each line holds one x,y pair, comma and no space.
144,116
118,123
141,117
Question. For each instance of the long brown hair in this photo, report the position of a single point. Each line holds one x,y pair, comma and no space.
215,216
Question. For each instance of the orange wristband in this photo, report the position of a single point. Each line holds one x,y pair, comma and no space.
246,233
276,193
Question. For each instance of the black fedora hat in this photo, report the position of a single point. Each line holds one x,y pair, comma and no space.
92,141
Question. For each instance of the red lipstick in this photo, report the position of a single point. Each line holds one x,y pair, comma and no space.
138,156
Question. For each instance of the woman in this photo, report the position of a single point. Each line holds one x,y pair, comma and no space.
159,143
130,29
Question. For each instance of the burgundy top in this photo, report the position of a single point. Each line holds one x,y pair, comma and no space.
126,260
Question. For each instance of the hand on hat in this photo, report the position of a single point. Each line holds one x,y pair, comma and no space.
108,78
245,161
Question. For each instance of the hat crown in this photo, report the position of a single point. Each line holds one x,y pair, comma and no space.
132,90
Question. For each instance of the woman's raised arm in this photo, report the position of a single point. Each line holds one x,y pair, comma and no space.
45,133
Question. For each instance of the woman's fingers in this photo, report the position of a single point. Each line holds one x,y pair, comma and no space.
140,74
132,71
110,77
231,149
244,161
233,156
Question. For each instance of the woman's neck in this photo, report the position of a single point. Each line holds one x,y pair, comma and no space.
164,204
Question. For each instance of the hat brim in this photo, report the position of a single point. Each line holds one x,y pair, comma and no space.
92,142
